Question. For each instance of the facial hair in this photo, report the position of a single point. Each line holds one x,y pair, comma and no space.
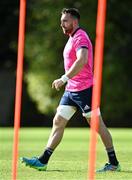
68,30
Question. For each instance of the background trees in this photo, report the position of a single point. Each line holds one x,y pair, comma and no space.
44,45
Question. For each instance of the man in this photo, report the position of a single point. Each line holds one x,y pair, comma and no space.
78,62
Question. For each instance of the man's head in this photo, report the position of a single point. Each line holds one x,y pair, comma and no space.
69,20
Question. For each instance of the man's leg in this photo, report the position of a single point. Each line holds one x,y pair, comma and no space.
108,143
40,163
59,124
56,135
64,113
105,134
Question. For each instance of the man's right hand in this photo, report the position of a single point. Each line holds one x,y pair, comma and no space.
57,84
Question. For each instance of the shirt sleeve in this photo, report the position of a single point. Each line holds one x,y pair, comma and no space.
80,42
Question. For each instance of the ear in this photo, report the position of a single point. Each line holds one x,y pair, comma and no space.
75,22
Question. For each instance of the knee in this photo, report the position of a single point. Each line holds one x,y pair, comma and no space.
59,122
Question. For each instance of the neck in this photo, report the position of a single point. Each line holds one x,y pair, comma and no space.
74,30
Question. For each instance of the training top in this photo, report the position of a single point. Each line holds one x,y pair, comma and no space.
84,79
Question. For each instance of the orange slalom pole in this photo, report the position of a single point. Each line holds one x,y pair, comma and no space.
98,63
19,77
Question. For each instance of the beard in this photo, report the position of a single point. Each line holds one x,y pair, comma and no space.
67,30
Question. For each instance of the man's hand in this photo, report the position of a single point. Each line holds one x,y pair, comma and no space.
57,84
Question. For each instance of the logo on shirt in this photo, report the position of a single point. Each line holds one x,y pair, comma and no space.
86,107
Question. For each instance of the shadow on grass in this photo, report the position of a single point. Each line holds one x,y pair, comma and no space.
58,170
126,171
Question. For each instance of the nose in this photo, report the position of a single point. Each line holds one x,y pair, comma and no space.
62,24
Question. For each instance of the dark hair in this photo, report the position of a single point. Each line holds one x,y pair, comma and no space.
73,11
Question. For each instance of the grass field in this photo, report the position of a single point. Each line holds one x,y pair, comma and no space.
70,160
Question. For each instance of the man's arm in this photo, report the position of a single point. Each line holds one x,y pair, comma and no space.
82,59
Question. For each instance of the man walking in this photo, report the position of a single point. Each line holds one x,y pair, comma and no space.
78,77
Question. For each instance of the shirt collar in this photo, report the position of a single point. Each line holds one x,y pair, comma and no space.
75,31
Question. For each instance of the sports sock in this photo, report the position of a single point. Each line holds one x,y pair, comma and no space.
44,158
112,156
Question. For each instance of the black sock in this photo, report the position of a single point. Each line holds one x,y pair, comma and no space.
44,158
112,157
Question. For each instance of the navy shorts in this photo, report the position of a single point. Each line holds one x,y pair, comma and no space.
81,100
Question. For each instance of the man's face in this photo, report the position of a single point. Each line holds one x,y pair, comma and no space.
67,23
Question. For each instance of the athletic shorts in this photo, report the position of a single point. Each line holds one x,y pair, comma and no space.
81,100
72,101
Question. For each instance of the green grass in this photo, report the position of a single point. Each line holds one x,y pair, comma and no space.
70,160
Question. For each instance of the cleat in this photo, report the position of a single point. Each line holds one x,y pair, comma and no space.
109,167
34,163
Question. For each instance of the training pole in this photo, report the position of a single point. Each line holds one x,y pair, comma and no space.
98,64
19,77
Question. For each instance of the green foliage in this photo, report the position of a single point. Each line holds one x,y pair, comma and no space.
44,46
117,87
45,42
8,32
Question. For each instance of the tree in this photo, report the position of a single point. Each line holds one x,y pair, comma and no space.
117,87
45,43
8,33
